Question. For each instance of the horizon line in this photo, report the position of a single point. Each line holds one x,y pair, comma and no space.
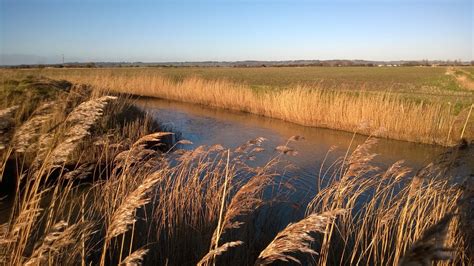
246,60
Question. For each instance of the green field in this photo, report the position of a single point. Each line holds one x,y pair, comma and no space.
413,79
417,83
371,78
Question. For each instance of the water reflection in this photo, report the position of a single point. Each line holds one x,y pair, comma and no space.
208,126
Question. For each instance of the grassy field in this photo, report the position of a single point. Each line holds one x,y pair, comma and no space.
419,104
397,79
290,76
90,187
429,84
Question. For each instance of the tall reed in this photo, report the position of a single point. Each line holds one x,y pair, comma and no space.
383,114
145,203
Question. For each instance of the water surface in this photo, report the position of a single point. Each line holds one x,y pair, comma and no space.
208,126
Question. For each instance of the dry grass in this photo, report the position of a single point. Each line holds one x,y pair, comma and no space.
247,199
123,217
75,127
6,124
381,114
29,132
398,211
430,247
145,203
218,251
296,238
135,258
60,236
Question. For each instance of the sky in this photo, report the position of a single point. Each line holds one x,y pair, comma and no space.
41,31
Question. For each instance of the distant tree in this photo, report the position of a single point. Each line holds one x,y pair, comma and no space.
412,63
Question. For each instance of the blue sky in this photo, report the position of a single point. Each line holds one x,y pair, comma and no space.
37,31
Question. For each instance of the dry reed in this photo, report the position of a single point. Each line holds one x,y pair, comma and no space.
78,124
6,124
296,238
135,259
179,203
123,217
311,106
60,236
247,199
28,133
431,246
218,251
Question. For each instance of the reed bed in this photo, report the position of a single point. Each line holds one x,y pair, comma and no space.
146,201
381,114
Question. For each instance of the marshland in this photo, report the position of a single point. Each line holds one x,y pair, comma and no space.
236,132
95,172
435,107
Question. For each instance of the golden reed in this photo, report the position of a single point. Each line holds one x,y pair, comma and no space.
379,114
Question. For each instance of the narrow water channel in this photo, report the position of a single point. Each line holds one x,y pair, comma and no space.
207,126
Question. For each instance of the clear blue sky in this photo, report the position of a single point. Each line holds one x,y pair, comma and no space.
156,31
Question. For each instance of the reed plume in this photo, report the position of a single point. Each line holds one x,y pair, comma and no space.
60,236
135,259
123,217
218,251
81,172
153,140
28,133
247,199
70,133
296,238
79,122
141,152
284,149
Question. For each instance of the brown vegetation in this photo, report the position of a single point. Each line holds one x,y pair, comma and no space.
146,203
379,114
